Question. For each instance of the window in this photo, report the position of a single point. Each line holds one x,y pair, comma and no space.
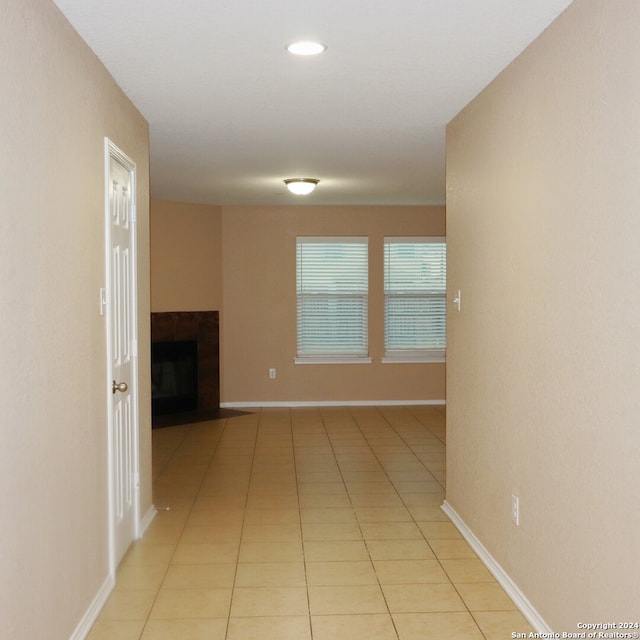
415,277
332,297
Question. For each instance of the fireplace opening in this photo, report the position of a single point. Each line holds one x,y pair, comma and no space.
174,377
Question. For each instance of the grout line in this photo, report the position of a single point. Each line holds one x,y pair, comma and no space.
362,534
426,539
244,517
302,543
189,429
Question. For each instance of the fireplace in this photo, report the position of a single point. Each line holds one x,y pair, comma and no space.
184,366
174,377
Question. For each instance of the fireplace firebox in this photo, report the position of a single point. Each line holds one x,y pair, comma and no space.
184,367
174,377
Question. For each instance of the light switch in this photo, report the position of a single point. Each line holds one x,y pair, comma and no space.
458,300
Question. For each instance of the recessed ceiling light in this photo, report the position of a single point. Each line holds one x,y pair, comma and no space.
306,48
301,186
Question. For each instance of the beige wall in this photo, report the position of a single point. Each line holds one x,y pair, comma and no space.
241,261
58,103
543,378
186,256
259,306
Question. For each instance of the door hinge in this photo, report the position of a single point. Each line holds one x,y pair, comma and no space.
134,348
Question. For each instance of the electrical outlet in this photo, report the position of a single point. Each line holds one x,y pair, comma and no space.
515,510
272,374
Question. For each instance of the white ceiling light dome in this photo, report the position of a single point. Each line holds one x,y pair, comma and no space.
301,186
306,48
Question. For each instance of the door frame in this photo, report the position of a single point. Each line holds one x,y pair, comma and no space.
112,151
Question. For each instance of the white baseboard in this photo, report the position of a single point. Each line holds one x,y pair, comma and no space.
84,626
330,403
147,519
92,613
502,577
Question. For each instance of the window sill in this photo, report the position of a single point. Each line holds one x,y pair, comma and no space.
333,360
413,359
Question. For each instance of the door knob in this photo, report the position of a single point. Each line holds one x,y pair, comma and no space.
119,386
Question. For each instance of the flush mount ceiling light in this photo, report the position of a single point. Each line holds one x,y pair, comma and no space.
306,48
301,186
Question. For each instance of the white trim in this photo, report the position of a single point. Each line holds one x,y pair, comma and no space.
333,360
331,403
92,613
326,239
109,342
414,239
147,520
413,359
96,606
503,578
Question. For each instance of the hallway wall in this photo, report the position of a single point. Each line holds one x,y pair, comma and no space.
542,377
58,104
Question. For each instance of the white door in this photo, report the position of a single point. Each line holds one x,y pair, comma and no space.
122,350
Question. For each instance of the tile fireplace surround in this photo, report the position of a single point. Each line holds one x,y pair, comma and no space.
203,327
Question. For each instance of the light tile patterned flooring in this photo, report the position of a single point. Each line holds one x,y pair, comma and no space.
305,524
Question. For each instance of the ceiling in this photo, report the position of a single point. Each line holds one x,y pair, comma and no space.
232,113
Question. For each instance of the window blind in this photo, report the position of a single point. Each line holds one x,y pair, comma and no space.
415,279
332,296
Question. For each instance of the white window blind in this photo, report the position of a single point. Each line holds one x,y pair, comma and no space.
415,279
332,297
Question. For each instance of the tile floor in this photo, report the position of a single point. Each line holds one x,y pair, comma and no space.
304,524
